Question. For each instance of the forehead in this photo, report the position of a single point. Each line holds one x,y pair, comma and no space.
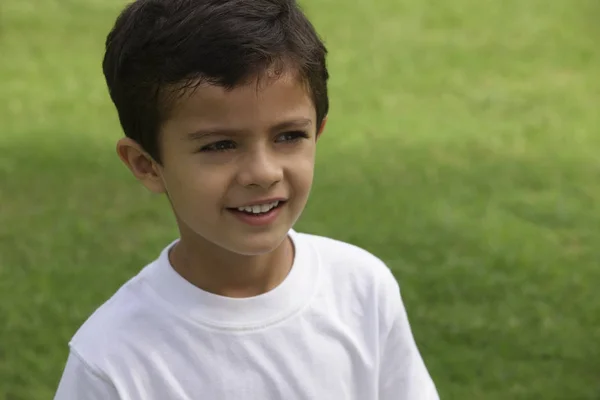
253,105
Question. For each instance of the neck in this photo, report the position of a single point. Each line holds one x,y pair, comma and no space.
221,272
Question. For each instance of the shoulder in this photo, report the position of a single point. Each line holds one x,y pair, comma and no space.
339,254
347,262
105,334
355,282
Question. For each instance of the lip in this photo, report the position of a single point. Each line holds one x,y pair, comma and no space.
260,202
258,219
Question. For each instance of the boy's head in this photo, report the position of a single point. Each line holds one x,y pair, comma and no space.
221,102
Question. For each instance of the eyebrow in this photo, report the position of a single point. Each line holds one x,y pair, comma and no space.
300,123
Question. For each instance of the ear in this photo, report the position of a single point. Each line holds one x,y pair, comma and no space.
322,127
141,164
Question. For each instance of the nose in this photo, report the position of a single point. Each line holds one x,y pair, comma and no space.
260,168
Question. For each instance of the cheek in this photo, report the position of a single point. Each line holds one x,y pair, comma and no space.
190,186
302,171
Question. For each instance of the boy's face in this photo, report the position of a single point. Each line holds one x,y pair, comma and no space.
221,150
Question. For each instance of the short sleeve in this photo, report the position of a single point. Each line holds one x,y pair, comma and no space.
80,382
403,374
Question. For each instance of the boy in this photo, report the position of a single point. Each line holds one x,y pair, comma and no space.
222,103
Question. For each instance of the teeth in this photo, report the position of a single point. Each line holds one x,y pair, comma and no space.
261,208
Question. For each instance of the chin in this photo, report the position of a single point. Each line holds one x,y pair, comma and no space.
257,244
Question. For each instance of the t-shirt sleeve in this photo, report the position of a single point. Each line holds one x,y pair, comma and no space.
403,374
79,382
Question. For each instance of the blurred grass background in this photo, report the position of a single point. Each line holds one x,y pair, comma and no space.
461,148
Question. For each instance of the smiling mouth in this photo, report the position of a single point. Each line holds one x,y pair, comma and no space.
259,209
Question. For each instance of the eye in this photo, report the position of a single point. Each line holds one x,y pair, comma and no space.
222,145
291,136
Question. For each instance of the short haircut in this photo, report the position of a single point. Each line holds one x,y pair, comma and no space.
159,48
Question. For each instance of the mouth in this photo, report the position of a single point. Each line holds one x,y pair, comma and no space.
259,214
259,209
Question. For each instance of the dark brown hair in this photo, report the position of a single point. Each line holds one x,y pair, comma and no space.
157,45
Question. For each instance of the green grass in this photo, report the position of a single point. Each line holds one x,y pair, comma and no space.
462,143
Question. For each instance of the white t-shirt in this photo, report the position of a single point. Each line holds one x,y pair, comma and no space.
335,328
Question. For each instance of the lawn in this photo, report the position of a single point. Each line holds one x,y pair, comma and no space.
462,148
